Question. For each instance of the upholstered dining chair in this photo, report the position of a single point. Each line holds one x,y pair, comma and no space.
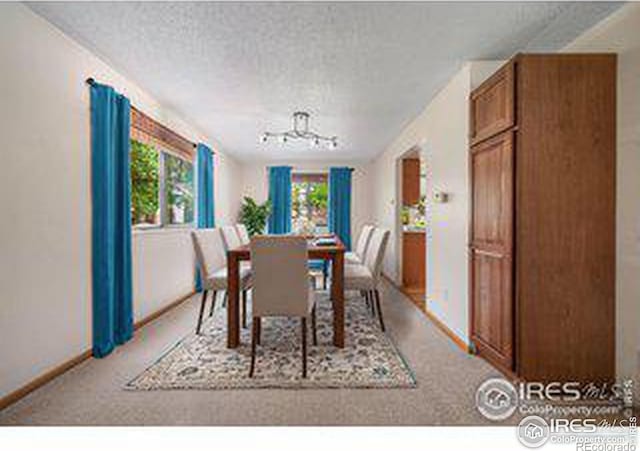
212,260
243,234
357,256
366,277
233,240
281,287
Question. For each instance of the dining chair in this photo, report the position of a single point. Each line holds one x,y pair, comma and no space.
281,287
232,240
243,234
365,277
357,256
321,267
210,254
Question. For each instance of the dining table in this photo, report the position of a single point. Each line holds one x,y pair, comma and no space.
331,251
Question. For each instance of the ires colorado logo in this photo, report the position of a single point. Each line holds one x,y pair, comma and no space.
497,399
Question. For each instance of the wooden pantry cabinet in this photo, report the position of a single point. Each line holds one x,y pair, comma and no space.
542,222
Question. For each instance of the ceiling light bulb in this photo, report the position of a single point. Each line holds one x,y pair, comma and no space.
264,138
334,143
284,139
316,142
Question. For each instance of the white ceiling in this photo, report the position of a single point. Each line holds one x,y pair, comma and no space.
363,70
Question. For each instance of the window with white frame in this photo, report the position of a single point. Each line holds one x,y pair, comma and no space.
162,175
309,202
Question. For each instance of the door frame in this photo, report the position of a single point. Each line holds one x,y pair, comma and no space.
419,151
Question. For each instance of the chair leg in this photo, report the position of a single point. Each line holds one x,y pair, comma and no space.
371,303
202,304
313,326
244,309
224,299
213,302
365,295
258,321
379,309
324,280
254,340
304,347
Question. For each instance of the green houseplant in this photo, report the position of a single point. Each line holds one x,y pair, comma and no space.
254,216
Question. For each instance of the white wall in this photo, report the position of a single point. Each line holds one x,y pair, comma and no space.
620,33
45,235
255,184
441,132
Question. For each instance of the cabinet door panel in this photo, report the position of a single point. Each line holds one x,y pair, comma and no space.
491,265
493,307
492,105
410,181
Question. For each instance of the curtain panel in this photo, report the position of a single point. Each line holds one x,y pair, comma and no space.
280,198
111,220
340,204
204,195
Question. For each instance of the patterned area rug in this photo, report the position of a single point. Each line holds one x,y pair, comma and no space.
369,359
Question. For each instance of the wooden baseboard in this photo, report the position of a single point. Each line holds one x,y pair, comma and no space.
448,332
43,379
391,281
439,324
155,315
48,376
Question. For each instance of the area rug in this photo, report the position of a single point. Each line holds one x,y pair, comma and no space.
368,360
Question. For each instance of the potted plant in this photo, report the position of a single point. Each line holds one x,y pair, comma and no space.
254,216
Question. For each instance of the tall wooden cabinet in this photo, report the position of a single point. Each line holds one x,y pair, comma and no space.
542,227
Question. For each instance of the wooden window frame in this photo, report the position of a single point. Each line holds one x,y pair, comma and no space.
149,131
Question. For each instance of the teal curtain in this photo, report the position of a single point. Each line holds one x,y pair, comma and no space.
111,220
204,195
280,198
340,204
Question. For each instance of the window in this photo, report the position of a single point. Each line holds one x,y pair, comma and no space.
162,175
178,190
309,202
145,184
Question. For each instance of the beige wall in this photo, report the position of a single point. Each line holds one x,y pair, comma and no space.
440,131
620,33
255,184
45,236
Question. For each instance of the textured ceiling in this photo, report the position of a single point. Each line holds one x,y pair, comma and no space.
363,70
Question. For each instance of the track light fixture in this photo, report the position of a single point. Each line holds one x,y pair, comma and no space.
300,130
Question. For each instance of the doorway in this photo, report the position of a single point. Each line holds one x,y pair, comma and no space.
412,226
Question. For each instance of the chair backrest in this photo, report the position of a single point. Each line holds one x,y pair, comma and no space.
363,240
243,233
210,251
375,251
231,238
280,276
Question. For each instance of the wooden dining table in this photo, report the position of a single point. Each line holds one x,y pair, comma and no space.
333,253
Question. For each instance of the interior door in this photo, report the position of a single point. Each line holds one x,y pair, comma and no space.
491,246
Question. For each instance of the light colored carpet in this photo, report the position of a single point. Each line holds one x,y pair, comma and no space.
369,359
92,394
